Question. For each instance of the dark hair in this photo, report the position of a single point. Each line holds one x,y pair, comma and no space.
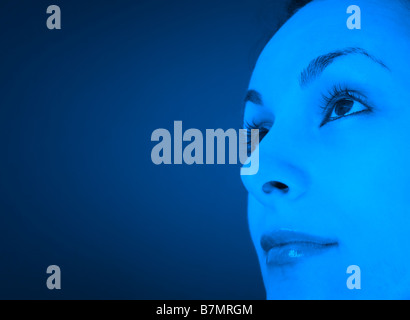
273,24
295,5
289,9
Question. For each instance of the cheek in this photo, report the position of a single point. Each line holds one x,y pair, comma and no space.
366,176
365,182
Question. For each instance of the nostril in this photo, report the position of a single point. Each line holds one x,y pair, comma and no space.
268,187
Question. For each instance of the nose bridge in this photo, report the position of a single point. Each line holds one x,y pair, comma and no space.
283,166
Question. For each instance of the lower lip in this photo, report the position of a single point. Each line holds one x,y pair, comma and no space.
294,252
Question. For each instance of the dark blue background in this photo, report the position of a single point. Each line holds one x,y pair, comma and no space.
78,188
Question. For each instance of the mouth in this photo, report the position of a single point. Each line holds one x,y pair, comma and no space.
285,247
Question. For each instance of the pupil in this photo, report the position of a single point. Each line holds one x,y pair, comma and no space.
343,106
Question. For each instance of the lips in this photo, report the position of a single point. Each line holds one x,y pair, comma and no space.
285,247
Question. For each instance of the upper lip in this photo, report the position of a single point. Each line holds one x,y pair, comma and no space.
282,237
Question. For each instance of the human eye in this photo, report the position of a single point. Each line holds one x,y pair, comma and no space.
251,127
342,102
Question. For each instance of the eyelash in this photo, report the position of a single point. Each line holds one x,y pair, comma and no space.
249,126
335,95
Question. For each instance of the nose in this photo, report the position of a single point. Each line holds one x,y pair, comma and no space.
283,171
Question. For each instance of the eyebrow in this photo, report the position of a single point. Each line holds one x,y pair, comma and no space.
315,68
253,96
319,64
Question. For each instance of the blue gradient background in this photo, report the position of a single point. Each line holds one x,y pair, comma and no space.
78,188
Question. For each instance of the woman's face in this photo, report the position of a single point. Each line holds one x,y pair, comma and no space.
333,186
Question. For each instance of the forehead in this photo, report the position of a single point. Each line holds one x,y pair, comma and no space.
320,27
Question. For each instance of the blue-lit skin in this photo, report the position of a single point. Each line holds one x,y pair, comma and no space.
348,179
